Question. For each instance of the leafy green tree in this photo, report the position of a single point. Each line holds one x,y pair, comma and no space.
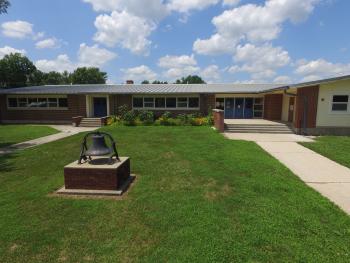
86,75
53,78
190,80
37,78
159,82
15,71
4,5
145,82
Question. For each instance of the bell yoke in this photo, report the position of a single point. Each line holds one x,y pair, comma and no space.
98,147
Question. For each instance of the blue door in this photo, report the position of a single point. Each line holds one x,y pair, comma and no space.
100,107
239,108
229,108
248,108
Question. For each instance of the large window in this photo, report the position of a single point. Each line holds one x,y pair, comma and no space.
340,103
166,102
40,102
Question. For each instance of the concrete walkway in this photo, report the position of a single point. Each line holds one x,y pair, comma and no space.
65,131
327,177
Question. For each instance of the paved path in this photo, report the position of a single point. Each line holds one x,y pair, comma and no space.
327,177
65,131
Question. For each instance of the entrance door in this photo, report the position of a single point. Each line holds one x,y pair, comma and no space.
248,108
291,109
229,108
239,108
100,107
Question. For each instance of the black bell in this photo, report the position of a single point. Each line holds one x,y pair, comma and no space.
98,147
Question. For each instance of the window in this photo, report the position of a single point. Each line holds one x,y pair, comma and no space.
137,102
148,102
62,102
340,103
52,102
220,103
182,102
12,102
32,102
160,102
193,102
171,102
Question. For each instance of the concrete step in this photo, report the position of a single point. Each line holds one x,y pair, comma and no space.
90,122
259,128
259,131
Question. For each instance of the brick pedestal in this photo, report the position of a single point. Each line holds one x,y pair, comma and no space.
96,176
219,121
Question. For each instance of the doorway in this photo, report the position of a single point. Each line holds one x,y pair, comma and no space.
100,107
291,109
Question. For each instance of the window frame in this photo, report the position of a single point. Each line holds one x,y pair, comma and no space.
331,103
165,97
38,98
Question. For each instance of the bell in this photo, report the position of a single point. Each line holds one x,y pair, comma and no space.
98,147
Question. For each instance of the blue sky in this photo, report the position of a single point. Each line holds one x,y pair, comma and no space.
221,40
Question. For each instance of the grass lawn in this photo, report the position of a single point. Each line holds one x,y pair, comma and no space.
11,134
198,198
336,148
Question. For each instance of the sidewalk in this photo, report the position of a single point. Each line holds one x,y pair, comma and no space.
66,131
329,178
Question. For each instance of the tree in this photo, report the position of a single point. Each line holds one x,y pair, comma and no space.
16,70
145,82
88,76
190,80
4,5
159,82
53,78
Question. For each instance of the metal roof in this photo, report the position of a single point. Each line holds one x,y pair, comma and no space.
144,89
317,82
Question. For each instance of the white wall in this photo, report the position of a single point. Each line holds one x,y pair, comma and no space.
325,117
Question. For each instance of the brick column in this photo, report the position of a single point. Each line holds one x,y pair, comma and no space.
219,123
76,121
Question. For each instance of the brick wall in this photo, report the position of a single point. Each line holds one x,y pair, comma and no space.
76,107
273,106
306,107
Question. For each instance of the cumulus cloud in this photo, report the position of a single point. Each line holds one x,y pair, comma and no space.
88,56
17,29
150,9
283,80
6,50
178,66
260,61
211,73
139,73
320,68
253,23
124,29
48,43
188,5
230,2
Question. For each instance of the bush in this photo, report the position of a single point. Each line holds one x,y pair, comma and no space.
130,118
199,121
146,117
122,110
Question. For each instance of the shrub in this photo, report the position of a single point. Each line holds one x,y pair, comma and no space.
122,110
146,117
130,118
111,119
199,121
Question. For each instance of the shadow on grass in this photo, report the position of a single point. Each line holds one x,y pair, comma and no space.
6,144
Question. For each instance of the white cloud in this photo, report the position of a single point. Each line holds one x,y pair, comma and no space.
139,73
320,68
187,5
211,73
283,80
254,23
178,66
230,2
17,29
176,61
60,64
215,45
88,56
150,9
124,29
260,61
6,50
94,56
48,43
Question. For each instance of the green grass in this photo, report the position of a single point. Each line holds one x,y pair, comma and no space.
336,148
198,197
12,134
